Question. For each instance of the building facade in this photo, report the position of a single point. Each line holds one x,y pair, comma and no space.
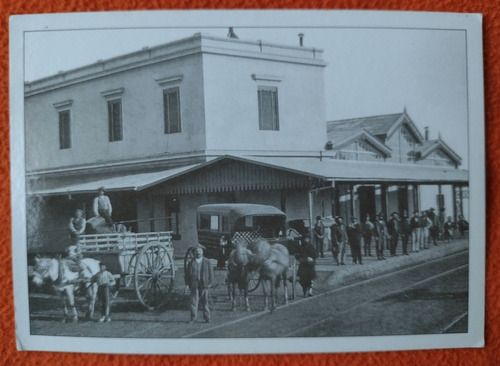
211,120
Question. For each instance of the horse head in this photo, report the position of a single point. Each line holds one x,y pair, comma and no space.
45,268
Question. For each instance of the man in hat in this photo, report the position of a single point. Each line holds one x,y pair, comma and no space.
424,224
393,227
381,235
355,233
339,240
405,232
306,255
433,227
198,277
416,232
77,226
102,206
319,232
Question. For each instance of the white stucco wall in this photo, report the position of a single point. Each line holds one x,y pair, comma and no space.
232,113
142,117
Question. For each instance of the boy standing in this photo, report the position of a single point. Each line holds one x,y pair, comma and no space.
104,280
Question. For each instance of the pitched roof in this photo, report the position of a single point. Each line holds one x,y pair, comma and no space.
375,125
378,126
432,145
363,135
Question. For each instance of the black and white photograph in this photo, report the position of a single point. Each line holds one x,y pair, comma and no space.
247,181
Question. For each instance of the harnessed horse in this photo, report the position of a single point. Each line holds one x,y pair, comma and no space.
64,280
270,261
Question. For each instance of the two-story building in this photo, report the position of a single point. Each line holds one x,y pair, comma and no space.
208,120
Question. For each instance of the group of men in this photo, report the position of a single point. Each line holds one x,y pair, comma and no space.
422,229
101,208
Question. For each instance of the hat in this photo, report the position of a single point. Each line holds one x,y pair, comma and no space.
102,189
353,218
318,217
432,208
199,246
380,214
394,213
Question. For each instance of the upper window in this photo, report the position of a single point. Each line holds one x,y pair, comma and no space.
64,113
115,120
64,130
115,123
172,110
268,108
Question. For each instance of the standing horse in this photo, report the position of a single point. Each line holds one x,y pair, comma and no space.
238,274
269,261
272,270
64,280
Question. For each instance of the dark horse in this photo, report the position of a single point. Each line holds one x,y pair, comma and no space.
269,261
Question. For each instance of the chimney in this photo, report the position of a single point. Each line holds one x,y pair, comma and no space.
231,33
426,129
301,39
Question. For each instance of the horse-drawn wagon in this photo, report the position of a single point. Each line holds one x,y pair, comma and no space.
142,261
222,226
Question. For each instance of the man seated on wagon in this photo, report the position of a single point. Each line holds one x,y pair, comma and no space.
77,226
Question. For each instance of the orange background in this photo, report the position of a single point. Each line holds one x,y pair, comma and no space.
489,355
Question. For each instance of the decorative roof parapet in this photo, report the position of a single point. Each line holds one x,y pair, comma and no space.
196,44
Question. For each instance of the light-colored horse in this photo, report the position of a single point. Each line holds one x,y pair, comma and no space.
65,281
269,261
272,271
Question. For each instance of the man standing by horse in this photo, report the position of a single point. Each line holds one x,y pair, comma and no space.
199,277
306,255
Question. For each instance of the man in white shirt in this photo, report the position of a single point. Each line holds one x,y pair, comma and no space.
102,206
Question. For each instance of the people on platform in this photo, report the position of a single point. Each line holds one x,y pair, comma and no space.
368,228
77,226
432,220
424,225
339,236
327,238
199,277
394,230
416,232
319,232
448,228
354,234
381,236
405,233
306,255
102,206
463,225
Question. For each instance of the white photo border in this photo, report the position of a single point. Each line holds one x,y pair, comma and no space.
471,23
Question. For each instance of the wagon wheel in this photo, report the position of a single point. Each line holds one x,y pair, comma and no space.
153,275
188,257
129,276
253,281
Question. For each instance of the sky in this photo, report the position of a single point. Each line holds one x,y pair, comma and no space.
370,71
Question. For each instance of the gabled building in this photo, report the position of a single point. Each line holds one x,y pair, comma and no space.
394,138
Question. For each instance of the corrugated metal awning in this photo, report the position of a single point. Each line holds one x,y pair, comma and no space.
365,171
325,169
129,182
